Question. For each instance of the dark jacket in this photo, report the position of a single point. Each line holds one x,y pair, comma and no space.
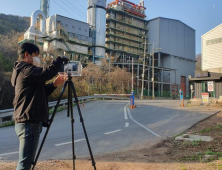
30,102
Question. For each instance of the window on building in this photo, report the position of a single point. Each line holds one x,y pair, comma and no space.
66,25
80,29
73,27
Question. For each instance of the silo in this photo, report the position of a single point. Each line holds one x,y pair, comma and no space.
96,17
44,7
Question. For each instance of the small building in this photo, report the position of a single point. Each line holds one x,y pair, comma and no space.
210,80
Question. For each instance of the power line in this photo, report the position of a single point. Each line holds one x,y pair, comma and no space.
64,8
77,9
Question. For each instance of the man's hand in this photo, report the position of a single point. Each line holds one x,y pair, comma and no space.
59,80
65,59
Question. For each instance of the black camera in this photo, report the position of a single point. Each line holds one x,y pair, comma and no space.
72,68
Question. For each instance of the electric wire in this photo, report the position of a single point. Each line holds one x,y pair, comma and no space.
72,9
77,9
64,9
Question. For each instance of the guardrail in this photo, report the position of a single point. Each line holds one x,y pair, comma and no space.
7,115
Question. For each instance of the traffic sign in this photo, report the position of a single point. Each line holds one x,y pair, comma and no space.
210,85
205,97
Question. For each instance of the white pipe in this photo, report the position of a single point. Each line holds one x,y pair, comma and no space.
34,16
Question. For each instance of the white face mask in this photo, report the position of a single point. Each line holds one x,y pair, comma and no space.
36,61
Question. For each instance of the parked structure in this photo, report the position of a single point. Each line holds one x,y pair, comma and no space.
210,81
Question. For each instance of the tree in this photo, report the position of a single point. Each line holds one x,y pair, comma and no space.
198,63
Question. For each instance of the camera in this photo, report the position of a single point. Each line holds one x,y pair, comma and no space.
72,68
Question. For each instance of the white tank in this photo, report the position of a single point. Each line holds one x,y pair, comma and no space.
96,17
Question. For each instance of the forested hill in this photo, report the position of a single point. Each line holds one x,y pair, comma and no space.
15,23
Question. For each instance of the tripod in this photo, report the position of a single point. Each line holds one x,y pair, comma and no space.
71,89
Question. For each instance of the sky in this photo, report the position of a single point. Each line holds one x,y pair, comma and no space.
201,15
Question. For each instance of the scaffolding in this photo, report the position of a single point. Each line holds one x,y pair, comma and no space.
126,37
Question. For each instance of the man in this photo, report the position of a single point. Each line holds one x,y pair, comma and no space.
30,102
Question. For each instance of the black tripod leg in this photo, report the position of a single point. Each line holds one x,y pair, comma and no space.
72,121
50,122
82,121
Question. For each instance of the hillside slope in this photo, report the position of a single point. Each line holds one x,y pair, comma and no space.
15,23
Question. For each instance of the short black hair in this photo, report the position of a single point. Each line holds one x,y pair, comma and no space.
27,47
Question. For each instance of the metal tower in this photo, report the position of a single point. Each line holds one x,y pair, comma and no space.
44,7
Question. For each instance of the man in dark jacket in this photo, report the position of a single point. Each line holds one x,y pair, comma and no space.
30,102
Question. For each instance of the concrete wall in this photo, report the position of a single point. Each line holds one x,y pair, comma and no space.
173,37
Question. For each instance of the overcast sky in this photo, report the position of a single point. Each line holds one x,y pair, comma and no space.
201,15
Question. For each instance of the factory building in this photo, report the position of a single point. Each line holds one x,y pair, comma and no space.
125,30
81,41
210,80
173,45
161,50
164,48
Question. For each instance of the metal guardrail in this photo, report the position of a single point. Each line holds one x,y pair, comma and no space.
7,115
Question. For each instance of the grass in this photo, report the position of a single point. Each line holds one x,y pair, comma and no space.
6,124
197,157
59,109
207,130
213,153
179,135
196,142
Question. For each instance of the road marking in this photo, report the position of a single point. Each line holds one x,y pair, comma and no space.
126,124
11,153
107,133
60,144
149,130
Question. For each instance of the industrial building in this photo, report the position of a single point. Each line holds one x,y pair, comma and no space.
126,30
210,80
81,41
161,50
173,45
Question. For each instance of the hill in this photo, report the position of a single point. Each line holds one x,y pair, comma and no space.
9,23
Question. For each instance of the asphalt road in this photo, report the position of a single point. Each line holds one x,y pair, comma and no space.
110,126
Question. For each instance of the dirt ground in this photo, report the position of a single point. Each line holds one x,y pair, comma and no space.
167,154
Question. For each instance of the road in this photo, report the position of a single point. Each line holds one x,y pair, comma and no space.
111,126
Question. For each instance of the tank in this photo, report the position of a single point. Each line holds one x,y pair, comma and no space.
96,17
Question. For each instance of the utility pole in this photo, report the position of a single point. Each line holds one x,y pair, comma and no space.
132,74
153,97
144,56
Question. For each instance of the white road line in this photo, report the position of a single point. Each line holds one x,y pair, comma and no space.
60,144
149,130
11,153
125,113
126,124
107,133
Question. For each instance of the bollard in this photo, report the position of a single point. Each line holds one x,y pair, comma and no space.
182,104
82,103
